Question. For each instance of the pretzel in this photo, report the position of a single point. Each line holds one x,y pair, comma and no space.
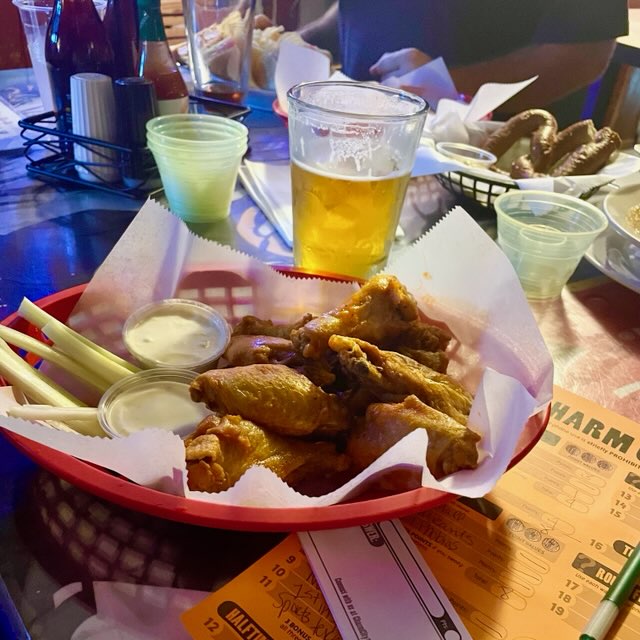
537,123
575,135
590,158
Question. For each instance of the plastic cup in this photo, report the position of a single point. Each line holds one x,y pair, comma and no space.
35,15
352,148
197,190
219,33
545,235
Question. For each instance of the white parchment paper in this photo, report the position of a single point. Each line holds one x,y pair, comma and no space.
458,276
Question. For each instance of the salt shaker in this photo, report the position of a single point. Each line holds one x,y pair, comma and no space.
94,116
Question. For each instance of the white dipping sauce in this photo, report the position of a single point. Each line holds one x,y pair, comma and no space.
161,404
176,333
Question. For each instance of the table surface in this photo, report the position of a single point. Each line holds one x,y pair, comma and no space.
54,535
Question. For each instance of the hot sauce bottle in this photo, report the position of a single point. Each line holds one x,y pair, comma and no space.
76,42
157,63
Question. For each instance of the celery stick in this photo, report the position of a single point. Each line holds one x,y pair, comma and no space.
66,341
82,420
39,318
23,341
49,412
35,385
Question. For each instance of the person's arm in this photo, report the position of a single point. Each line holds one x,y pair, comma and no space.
323,32
561,69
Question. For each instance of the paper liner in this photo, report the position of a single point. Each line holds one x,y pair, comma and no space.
458,276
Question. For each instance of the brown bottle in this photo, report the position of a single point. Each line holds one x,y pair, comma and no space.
121,25
76,42
157,63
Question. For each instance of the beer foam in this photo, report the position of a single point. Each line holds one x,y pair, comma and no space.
356,101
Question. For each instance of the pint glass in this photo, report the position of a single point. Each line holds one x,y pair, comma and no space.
352,147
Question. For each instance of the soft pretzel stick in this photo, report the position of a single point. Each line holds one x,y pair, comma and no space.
590,158
579,133
538,123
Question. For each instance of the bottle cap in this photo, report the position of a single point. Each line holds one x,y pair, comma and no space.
136,103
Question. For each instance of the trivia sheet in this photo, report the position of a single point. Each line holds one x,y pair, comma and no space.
529,561
534,557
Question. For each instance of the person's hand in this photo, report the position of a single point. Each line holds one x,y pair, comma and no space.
397,63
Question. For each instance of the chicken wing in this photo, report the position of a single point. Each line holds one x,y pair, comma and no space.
222,448
274,396
452,446
392,376
255,349
250,325
380,310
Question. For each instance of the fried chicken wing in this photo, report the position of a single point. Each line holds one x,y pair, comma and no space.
436,360
392,376
274,396
222,448
257,349
250,325
452,446
378,311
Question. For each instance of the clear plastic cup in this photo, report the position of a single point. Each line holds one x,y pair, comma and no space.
178,140
352,147
35,15
545,235
198,188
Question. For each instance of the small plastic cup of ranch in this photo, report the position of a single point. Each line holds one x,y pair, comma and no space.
151,399
176,333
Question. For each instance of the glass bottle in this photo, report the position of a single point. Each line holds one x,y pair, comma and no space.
76,42
121,25
157,63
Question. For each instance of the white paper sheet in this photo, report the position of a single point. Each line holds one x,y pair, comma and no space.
297,64
397,596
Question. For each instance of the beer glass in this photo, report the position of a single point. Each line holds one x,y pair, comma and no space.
352,147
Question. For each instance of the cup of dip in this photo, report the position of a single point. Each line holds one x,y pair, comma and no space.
151,399
176,333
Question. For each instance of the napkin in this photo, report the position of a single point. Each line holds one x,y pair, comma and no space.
297,63
434,80
457,275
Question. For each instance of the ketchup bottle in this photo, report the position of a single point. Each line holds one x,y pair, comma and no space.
76,42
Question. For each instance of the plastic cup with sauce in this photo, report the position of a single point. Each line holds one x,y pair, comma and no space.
151,399
545,235
176,333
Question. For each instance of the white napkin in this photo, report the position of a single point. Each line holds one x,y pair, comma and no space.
297,63
434,80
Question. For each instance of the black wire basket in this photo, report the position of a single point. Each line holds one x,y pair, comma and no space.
479,188
51,152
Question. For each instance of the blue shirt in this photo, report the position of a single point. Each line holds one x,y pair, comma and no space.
468,31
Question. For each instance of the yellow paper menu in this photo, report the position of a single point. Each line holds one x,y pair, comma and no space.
276,597
532,559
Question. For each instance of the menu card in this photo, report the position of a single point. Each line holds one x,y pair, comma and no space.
531,559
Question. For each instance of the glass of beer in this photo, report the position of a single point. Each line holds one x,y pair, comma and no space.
352,147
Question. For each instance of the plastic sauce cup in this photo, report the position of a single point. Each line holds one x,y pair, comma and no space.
545,235
176,333
151,399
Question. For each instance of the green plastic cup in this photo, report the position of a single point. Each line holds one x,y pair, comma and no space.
197,190
545,235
